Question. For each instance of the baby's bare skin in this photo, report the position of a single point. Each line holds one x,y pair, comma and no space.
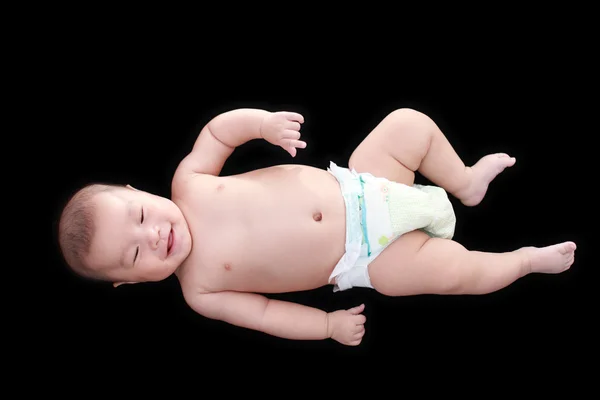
278,229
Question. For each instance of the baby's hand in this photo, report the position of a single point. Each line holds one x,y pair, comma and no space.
283,129
347,326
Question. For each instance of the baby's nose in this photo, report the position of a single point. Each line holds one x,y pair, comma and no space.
155,237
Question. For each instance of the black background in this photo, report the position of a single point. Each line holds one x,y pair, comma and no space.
126,110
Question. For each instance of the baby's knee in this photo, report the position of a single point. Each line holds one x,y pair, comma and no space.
453,281
413,128
449,257
408,116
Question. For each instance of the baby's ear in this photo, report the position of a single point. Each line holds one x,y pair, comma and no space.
131,187
117,284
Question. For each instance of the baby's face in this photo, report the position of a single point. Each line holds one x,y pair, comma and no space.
139,236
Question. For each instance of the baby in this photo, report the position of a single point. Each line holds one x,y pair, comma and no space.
294,228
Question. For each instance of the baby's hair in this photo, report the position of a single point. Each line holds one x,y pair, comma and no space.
76,226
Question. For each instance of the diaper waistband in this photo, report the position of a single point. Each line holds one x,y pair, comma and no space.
352,191
348,179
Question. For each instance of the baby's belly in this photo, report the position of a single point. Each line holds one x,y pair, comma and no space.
279,258
288,235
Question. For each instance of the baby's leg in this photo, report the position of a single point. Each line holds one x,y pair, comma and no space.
407,140
417,264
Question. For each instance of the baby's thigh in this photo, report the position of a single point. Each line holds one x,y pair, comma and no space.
415,264
373,156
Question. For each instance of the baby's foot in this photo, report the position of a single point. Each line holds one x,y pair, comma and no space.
551,259
482,173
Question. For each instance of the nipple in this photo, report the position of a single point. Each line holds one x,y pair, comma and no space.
227,267
317,216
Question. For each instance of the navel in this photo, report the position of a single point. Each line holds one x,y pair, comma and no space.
317,216
227,267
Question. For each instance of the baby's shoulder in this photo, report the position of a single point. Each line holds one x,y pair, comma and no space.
186,183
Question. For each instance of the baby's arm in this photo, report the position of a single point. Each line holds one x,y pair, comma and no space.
236,127
219,138
280,318
256,312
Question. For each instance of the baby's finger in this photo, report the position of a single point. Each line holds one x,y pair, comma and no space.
359,335
358,328
294,116
291,134
360,319
357,310
292,125
291,150
293,143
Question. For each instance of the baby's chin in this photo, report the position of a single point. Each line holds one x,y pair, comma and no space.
173,262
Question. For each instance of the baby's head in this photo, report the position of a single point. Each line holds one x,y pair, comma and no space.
122,235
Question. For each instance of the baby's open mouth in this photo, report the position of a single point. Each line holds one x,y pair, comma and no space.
170,242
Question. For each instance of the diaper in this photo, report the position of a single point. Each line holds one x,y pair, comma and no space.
379,211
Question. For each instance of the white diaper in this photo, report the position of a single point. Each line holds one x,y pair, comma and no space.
378,211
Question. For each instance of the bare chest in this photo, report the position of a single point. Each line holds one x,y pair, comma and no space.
271,231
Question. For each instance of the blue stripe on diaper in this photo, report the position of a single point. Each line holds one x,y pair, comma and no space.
361,200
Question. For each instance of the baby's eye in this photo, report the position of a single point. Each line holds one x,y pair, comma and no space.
142,217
